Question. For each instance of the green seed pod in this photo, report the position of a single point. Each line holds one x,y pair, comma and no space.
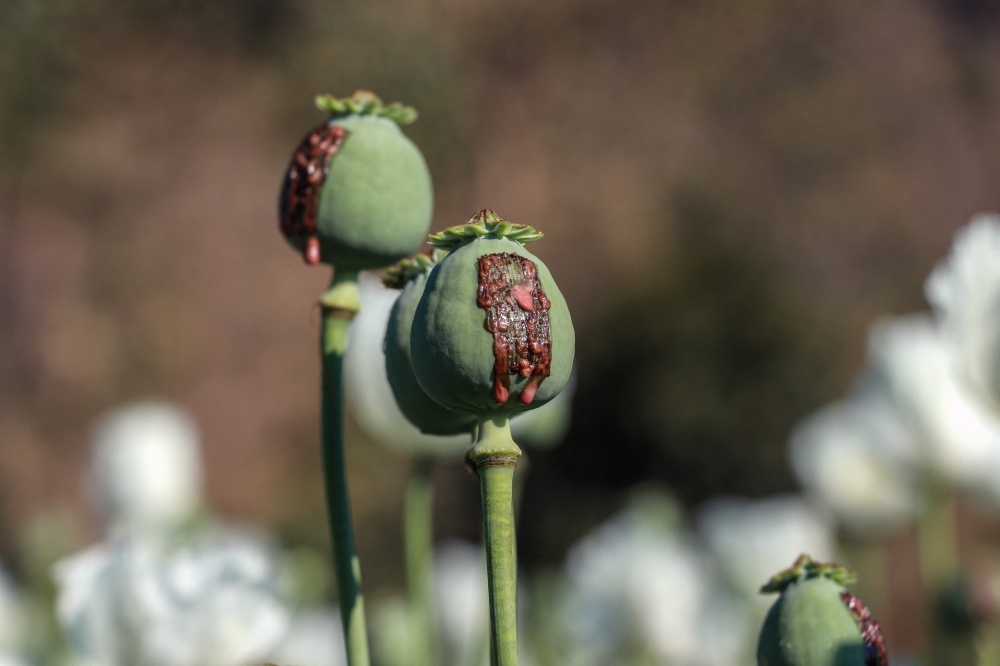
816,622
357,193
410,275
491,323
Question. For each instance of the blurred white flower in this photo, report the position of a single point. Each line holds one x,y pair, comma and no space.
369,394
964,290
843,456
146,467
753,540
463,600
315,638
12,660
214,602
958,435
632,582
13,617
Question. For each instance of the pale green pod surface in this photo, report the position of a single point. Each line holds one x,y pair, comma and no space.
358,193
423,412
543,428
817,622
451,349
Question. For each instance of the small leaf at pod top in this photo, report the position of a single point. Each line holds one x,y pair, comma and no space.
492,333
410,275
357,193
816,622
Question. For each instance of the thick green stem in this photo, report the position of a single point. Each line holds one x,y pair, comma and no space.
419,537
495,457
339,305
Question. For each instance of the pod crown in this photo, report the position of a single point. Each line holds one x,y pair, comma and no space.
804,568
485,223
404,271
365,103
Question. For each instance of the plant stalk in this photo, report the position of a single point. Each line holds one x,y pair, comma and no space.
419,539
937,541
339,305
495,457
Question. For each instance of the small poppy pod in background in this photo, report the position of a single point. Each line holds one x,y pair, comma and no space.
492,334
357,193
817,622
431,418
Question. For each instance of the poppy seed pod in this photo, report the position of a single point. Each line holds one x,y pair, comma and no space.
357,193
817,622
410,275
491,325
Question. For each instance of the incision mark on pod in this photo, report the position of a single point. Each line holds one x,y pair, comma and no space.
876,653
307,172
517,315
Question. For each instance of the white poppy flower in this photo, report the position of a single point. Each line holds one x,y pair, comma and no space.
964,290
368,392
843,456
146,468
214,602
315,638
753,540
463,601
631,581
959,435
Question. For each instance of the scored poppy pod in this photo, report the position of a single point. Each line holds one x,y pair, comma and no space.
817,622
492,334
357,193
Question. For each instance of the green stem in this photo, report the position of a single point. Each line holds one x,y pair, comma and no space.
936,536
939,569
339,305
419,538
495,457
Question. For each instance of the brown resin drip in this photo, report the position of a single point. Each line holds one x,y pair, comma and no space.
517,314
876,653
306,175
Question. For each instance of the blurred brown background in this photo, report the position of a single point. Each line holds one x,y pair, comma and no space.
731,192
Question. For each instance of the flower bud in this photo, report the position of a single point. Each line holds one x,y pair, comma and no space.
410,275
357,193
817,622
491,325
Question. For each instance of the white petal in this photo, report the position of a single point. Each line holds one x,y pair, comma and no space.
964,290
369,394
146,471
753,540
840,455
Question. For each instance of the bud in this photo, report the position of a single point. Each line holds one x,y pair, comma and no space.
817,622
357,193
492,333
410,275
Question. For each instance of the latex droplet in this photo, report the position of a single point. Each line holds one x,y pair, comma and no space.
522,294
312,251
501,389
529,390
